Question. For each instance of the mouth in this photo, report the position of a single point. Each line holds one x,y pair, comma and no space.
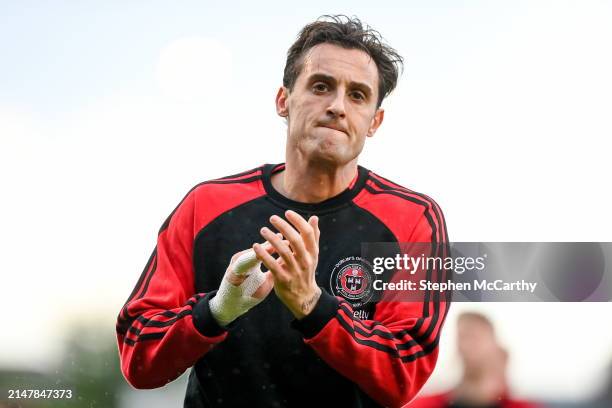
337,128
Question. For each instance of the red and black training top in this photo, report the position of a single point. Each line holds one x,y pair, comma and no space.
348,352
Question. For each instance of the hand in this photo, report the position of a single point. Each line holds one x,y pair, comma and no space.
244,286
294,271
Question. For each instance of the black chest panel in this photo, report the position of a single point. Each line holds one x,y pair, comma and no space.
263,361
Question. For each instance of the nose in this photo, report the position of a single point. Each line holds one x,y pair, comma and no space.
336,106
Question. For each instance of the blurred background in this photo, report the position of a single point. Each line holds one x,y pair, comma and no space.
111,112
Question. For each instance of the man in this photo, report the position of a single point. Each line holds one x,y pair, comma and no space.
321,337
484,383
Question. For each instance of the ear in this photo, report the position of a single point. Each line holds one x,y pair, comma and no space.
377,120
281,102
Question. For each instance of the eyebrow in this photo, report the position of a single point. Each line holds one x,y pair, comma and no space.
328,78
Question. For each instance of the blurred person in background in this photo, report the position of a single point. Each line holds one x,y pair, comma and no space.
484,383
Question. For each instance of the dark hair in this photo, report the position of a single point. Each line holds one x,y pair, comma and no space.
348,33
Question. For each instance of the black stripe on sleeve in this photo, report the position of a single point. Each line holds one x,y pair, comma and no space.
149,322
429,207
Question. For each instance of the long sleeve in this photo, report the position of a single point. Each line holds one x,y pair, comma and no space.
392,355
164,327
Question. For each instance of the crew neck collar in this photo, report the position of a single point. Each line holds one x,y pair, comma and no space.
331,203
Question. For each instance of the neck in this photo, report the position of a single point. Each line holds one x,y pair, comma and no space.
313,182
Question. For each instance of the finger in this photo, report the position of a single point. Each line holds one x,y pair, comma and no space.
314,223
245,262
237,255
237,275
268,246
240,254
242,262
290,233
305,228
282,249
268,260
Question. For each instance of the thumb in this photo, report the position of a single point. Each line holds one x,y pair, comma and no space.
265,288
246,261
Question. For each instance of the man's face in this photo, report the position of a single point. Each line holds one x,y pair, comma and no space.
477,344
332,107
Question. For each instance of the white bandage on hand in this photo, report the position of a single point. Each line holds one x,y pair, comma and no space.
231,301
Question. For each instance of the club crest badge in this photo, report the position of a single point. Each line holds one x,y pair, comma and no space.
352,279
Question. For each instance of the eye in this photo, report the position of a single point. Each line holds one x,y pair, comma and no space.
320,87
358,95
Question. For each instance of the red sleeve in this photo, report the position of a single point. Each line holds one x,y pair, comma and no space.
446,399
164,327
521,404
391,356
431,401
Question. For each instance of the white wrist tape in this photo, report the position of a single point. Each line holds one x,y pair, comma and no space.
231,301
